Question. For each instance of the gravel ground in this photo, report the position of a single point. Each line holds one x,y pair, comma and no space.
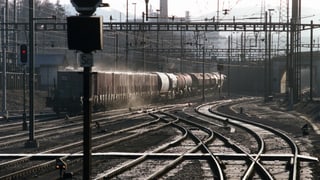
15,101
275,114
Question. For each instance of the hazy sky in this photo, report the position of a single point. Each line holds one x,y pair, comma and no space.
203,7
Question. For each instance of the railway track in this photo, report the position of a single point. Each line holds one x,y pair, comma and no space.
11,133
190,141
278,154
241,161
171,142
26,164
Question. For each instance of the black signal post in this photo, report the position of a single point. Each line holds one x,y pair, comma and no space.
24,60
87,109
85,35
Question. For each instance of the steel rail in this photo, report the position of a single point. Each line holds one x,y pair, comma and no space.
142,158
200,143
75,144
254,159
294,148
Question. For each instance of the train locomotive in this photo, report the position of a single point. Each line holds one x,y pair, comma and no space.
115,88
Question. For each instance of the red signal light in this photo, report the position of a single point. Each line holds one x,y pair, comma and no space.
23,53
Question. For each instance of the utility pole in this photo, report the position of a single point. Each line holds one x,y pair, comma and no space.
135,20
266,69
311,62
4,64
147,11
218,11
181,49
229,59
135,11
203,75
294,63
158,60
116,43
127,37
15,19
143,44
270,75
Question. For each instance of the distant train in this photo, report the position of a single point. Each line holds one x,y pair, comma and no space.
115,88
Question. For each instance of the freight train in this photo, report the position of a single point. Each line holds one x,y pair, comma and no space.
115,88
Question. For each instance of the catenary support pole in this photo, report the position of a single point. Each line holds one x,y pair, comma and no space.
203,75
4,65
311,61
32,141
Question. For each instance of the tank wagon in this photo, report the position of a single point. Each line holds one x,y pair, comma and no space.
116,88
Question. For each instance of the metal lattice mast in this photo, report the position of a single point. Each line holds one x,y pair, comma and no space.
283,18
298,52
294,63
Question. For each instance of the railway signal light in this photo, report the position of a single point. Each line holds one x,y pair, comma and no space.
86,7
23,53
85,33
60,164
